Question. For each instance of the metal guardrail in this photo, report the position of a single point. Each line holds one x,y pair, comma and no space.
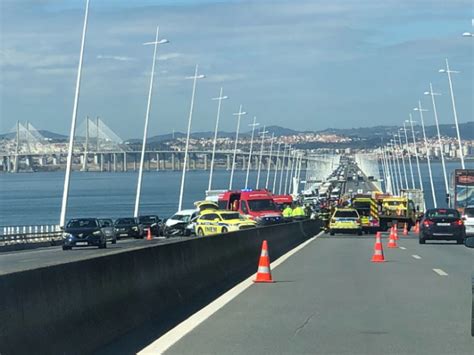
12,235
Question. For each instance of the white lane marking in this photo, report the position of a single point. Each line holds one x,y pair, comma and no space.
166,341
403,248
440,272
416,256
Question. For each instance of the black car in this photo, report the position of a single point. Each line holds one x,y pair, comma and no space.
469,242
83,232
151,221
107,226
128,227
442,224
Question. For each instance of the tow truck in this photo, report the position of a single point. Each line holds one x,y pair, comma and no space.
397,210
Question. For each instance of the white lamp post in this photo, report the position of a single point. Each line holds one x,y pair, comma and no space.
421,110
409,155
253,125
396,151
435,112
283,167
147,115
416,153
62,217
195,77
288,167
269,161
261,157
448,71
219,99
277,165
405,175
239,115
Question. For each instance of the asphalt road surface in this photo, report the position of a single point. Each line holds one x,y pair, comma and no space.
35,258
329,298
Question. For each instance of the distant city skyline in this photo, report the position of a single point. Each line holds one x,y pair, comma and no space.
306,65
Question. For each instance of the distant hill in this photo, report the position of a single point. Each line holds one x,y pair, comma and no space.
361,136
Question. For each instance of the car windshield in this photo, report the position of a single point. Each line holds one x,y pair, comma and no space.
346,214
147,219
469,211
105,223
262,205
227,216
125,221
82,223
442,213
181,217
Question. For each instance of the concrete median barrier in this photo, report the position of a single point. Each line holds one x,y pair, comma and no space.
79,306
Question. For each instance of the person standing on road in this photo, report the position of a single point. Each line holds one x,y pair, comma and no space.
298,212
287,212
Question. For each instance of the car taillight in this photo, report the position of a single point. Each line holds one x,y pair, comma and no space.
459,222
428,222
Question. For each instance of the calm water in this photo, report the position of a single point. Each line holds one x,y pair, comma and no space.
36,198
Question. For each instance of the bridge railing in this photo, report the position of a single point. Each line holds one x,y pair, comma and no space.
10,235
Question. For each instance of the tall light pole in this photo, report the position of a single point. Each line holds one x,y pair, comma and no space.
147,115
409,155
283,167
405,175
394,168
288,165
269,161
448,71
435,112
292,165
211,170
261,157
421,110
253,125
195,77
416,153
239,115
275,173
396,151
62,217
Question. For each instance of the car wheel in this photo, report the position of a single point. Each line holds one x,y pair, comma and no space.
331,233
359,232
66,248
200,232
114,241
224,230
422,241
460,241
103,245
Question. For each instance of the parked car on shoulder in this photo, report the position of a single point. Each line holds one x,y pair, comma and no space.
83,232
151,221
128,227
107,226
442,224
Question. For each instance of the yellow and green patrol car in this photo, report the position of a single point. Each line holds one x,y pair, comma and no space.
345,220
211,222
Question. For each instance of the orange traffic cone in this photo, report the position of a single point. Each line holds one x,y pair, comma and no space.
417,227
264,273
378,250
392,243
405,229
148,235
395,232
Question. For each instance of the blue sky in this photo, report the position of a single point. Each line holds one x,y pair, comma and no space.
306,65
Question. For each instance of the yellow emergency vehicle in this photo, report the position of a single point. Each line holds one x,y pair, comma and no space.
345,220
368,212
214,221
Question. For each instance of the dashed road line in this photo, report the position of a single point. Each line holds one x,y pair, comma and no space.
403,248
160,345
416,256
440,272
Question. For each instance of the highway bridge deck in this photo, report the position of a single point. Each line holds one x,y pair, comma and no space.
330,299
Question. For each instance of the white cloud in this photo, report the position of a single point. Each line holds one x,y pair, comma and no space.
169,56
115,57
